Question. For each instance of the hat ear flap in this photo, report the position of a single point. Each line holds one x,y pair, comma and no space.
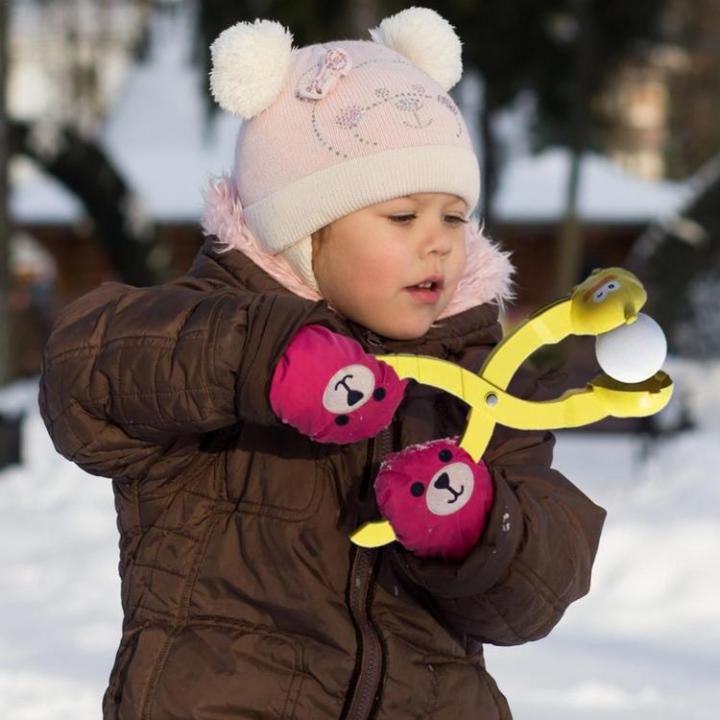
427,39
250,64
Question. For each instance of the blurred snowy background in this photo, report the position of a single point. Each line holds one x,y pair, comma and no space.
125,79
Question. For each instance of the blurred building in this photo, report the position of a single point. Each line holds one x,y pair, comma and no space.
69,59
67,63
666,107
640,104
695,88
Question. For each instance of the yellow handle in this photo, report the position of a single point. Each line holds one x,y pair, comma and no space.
604,301
373,534
602,397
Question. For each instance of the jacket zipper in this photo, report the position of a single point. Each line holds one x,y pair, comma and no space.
368,679
365,692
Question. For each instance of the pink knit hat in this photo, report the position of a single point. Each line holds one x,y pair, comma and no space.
334,127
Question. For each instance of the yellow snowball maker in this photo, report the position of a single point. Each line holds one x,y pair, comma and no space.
607,299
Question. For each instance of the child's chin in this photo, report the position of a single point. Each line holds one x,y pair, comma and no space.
404,326
405,331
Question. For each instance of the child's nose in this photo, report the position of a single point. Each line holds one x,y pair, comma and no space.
438,242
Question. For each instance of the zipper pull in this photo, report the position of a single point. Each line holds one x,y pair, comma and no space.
374,341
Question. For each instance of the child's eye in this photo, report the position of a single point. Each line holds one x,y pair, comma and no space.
401,218
456,220
452,219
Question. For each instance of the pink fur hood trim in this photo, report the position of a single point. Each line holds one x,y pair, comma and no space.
487,276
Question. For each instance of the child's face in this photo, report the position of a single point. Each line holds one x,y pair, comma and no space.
366,263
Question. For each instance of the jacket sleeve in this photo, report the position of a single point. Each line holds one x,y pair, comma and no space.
534,557
127,371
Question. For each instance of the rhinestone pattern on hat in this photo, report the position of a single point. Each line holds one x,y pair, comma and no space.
414,104
350,116
414,108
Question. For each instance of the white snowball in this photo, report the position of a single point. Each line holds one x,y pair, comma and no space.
632,353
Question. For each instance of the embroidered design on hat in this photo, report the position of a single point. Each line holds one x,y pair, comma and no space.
413,102
414,107
350,117
332,65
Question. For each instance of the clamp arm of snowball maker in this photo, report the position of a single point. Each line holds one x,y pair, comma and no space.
630,348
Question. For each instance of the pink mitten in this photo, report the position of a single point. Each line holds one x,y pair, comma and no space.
330,389
435,497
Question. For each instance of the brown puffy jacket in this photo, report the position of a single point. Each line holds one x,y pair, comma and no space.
243,596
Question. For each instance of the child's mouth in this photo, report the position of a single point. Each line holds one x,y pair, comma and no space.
427,291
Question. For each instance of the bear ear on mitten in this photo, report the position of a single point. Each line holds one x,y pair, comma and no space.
328,388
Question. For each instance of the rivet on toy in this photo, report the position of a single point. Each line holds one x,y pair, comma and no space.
428,494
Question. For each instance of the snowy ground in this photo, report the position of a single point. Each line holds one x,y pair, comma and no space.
644,644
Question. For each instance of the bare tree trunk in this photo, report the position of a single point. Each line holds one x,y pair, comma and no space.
122,229
6,369
489,161
363,15
570,245
570,254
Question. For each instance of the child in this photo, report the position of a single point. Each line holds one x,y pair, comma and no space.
241,460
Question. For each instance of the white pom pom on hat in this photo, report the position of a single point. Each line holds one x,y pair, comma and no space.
251,60
250,65
427,39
